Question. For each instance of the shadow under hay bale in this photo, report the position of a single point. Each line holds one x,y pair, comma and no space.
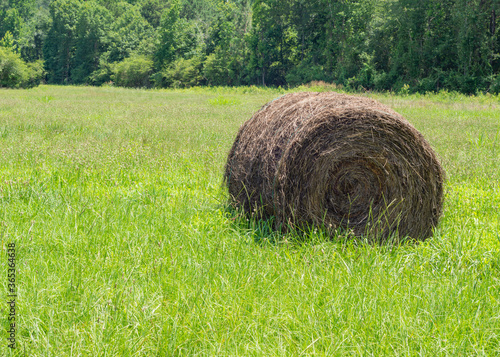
336,161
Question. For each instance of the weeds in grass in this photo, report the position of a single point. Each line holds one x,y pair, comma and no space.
220,100
45,99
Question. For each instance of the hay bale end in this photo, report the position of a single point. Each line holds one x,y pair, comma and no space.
336,161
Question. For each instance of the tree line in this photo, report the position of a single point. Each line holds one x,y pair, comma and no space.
417,45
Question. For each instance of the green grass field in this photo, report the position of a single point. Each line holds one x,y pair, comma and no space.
125,246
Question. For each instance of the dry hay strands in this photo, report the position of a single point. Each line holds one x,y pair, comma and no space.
336,161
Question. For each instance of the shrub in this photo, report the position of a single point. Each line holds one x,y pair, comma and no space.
15,73
305,72
495,84
383,80
36,72
216,70
103,73
133,72
181,73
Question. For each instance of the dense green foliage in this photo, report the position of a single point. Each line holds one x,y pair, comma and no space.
133,72
15,73
425,45
125,246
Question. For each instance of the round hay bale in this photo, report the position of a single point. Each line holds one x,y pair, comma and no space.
336,161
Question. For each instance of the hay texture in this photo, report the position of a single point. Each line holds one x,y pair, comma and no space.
336,161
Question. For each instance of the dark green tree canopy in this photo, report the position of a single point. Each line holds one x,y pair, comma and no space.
424,45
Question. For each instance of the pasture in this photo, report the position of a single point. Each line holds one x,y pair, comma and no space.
125,246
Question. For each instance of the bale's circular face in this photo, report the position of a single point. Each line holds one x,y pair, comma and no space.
336,161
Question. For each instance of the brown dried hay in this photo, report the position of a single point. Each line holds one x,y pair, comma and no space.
336,161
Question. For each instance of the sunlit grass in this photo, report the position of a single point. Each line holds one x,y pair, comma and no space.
125,246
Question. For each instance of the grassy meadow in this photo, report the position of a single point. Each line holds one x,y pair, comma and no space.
125,246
